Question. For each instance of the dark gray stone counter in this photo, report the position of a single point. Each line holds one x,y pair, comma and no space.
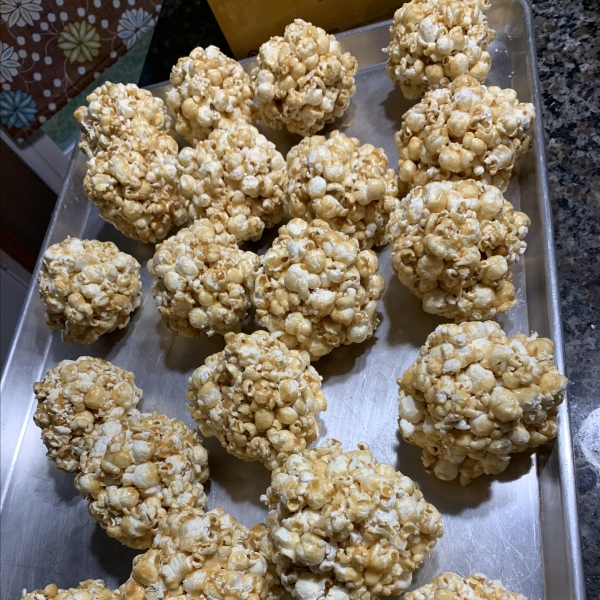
569,64
568,50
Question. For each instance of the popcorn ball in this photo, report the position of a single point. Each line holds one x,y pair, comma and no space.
449,586
89,288
343,183
315,289
115,109
303,80
346,526
236,177
134,182
201,280
258,398
474,396
435,41
74,399
92,589
453,243
210,90
141,469
462,131
204,555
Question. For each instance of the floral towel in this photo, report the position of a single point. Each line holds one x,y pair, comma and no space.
50,50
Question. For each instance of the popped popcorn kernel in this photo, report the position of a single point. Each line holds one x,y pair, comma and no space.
201,280
89,287
344,183
258,398
345,526
463,131
235,177
134,468
74,399
435,41
453,244
303,80
210,91
92,589
204,555
142,468
474,397
134,184
449,586
115,109
315,289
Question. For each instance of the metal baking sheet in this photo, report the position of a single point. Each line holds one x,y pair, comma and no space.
520,527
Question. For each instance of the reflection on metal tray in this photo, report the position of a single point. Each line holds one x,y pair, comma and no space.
520,527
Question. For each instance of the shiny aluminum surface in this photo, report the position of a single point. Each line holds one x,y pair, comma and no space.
520,527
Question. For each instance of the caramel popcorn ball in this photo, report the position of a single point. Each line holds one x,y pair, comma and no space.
74,399
435,41
115,109
449,586
462,131
236,177
303,80
92,589
89,288
453,243
140,469
345,526
201,280
210,90
134,182
258,398
133,468
204,555
315,289
343,183
474,396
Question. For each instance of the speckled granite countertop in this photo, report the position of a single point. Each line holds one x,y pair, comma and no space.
568,48
567,41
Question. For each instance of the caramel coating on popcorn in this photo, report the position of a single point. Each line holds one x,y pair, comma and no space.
132,169
133,468
303,80
462,131
89,288
449,586
345,526
134,182
140,469
204,555
236,177
92,589
74,398
201,280
210,91
453,244
115,109
474,397
258,398
315,289
435,41
343,183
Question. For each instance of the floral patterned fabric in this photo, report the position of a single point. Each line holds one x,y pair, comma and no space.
50,50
